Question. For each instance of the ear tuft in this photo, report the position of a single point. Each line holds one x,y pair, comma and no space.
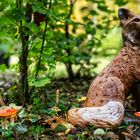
121,14
124,14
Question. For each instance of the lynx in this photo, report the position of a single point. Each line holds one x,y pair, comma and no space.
104,106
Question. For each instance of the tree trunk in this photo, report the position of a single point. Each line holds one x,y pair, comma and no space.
24,71
24,56
68,51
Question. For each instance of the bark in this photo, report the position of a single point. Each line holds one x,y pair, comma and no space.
67,34
24,56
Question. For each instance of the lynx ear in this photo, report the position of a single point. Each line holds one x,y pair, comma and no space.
124,14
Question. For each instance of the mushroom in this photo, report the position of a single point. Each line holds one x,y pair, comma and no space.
7,113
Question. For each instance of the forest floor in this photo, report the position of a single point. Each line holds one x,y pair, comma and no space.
44,117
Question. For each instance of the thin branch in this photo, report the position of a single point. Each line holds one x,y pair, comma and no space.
41,50
42,46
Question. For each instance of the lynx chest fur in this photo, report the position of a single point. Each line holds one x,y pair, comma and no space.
114,82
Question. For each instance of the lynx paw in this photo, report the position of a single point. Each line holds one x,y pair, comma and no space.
107,116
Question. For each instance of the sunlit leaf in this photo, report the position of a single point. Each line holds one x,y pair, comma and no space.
15,106
22,113
40,82
82,99
99,131
34,118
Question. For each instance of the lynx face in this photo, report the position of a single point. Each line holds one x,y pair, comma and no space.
131,26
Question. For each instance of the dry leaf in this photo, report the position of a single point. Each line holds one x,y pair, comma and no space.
59,121
111,135
82,99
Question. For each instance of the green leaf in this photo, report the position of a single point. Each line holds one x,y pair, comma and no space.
33,27
60,128
34,118
20,128
103,8
121,2
22,114
8,133
18,14
50,112
99,131
69,21
93,12
40,82
39,7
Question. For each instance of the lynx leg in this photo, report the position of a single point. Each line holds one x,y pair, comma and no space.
107,116
136,91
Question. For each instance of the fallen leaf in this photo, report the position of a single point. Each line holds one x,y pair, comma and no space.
111,135
82,99
57,121
56,109
129,136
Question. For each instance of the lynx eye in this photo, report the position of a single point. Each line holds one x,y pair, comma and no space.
136,20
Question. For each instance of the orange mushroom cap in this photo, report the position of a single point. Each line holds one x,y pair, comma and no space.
7,111
137,114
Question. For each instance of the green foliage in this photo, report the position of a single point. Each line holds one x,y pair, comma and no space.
60,128
35,131
68,40
120,2
69,32
40,83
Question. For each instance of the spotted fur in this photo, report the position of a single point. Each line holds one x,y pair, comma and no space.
113,84
116,80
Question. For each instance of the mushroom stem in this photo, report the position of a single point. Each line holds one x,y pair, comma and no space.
12,118
4,123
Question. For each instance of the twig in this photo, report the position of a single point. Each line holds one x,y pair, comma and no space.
42,46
